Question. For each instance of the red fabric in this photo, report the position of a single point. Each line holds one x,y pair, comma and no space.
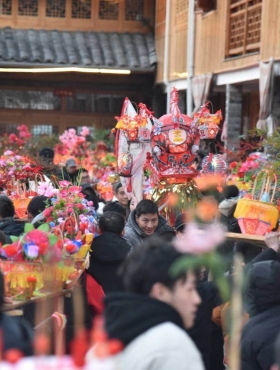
95,294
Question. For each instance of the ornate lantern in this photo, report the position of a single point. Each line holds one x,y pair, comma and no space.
214,164
208,123
174,141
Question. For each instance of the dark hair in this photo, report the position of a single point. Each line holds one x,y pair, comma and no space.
37,205
46,153
149,264
231,191
117,186
146,206
7,208
115,207
112,222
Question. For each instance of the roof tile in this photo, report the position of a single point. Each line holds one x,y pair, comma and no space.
96,49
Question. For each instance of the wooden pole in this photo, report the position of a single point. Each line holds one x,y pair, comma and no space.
236,315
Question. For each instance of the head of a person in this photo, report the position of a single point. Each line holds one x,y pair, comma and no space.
276,365
231,191
111,222
131,205
120,194
46,155
71,166
37,205
180,224
262,287
7,208
147,216
147,271
115,207
84,177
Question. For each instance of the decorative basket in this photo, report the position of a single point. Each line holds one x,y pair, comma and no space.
56,274
17,278
256,217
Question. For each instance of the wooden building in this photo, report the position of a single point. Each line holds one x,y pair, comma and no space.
69,63
231,37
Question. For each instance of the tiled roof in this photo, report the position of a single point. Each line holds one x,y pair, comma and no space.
30,47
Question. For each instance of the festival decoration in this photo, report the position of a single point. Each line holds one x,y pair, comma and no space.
214,164
174,141
257,217
132,142
208,123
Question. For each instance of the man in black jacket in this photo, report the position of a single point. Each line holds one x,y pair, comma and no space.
108,252
263,305
8,225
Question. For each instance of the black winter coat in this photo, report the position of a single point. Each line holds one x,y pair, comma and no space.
10,227
108,252
263,306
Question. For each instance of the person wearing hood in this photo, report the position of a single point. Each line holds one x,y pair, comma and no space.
144,222
8,225
231,195
151,316
263,305
108,252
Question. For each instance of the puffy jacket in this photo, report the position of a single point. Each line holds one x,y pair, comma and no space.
263,306
11,227
108,252
134,235
152,333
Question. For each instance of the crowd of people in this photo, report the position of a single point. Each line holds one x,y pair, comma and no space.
163,322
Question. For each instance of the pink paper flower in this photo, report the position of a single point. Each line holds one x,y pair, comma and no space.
85,131
64,183
197,241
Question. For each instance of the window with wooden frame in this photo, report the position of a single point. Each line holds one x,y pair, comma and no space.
56,8
181,11
6,7
28,8
244,27
133,10
81,9
109,9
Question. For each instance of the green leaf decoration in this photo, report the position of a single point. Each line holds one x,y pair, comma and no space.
53,239
14,238
211,261
44,227
28,227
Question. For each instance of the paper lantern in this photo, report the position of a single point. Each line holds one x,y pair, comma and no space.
214,164
256,217
208,131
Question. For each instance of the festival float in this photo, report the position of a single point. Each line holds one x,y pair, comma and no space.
170,145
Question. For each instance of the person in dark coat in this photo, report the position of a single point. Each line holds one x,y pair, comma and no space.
263,305
108,252
70,172
201,332
15,333
144,222
8,225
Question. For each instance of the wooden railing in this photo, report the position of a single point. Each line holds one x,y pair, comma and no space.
244,27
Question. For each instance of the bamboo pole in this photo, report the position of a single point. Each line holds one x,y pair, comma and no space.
236,315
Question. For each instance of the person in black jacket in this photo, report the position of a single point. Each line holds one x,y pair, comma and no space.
8,225
70,172
108,252
15,333
263,305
